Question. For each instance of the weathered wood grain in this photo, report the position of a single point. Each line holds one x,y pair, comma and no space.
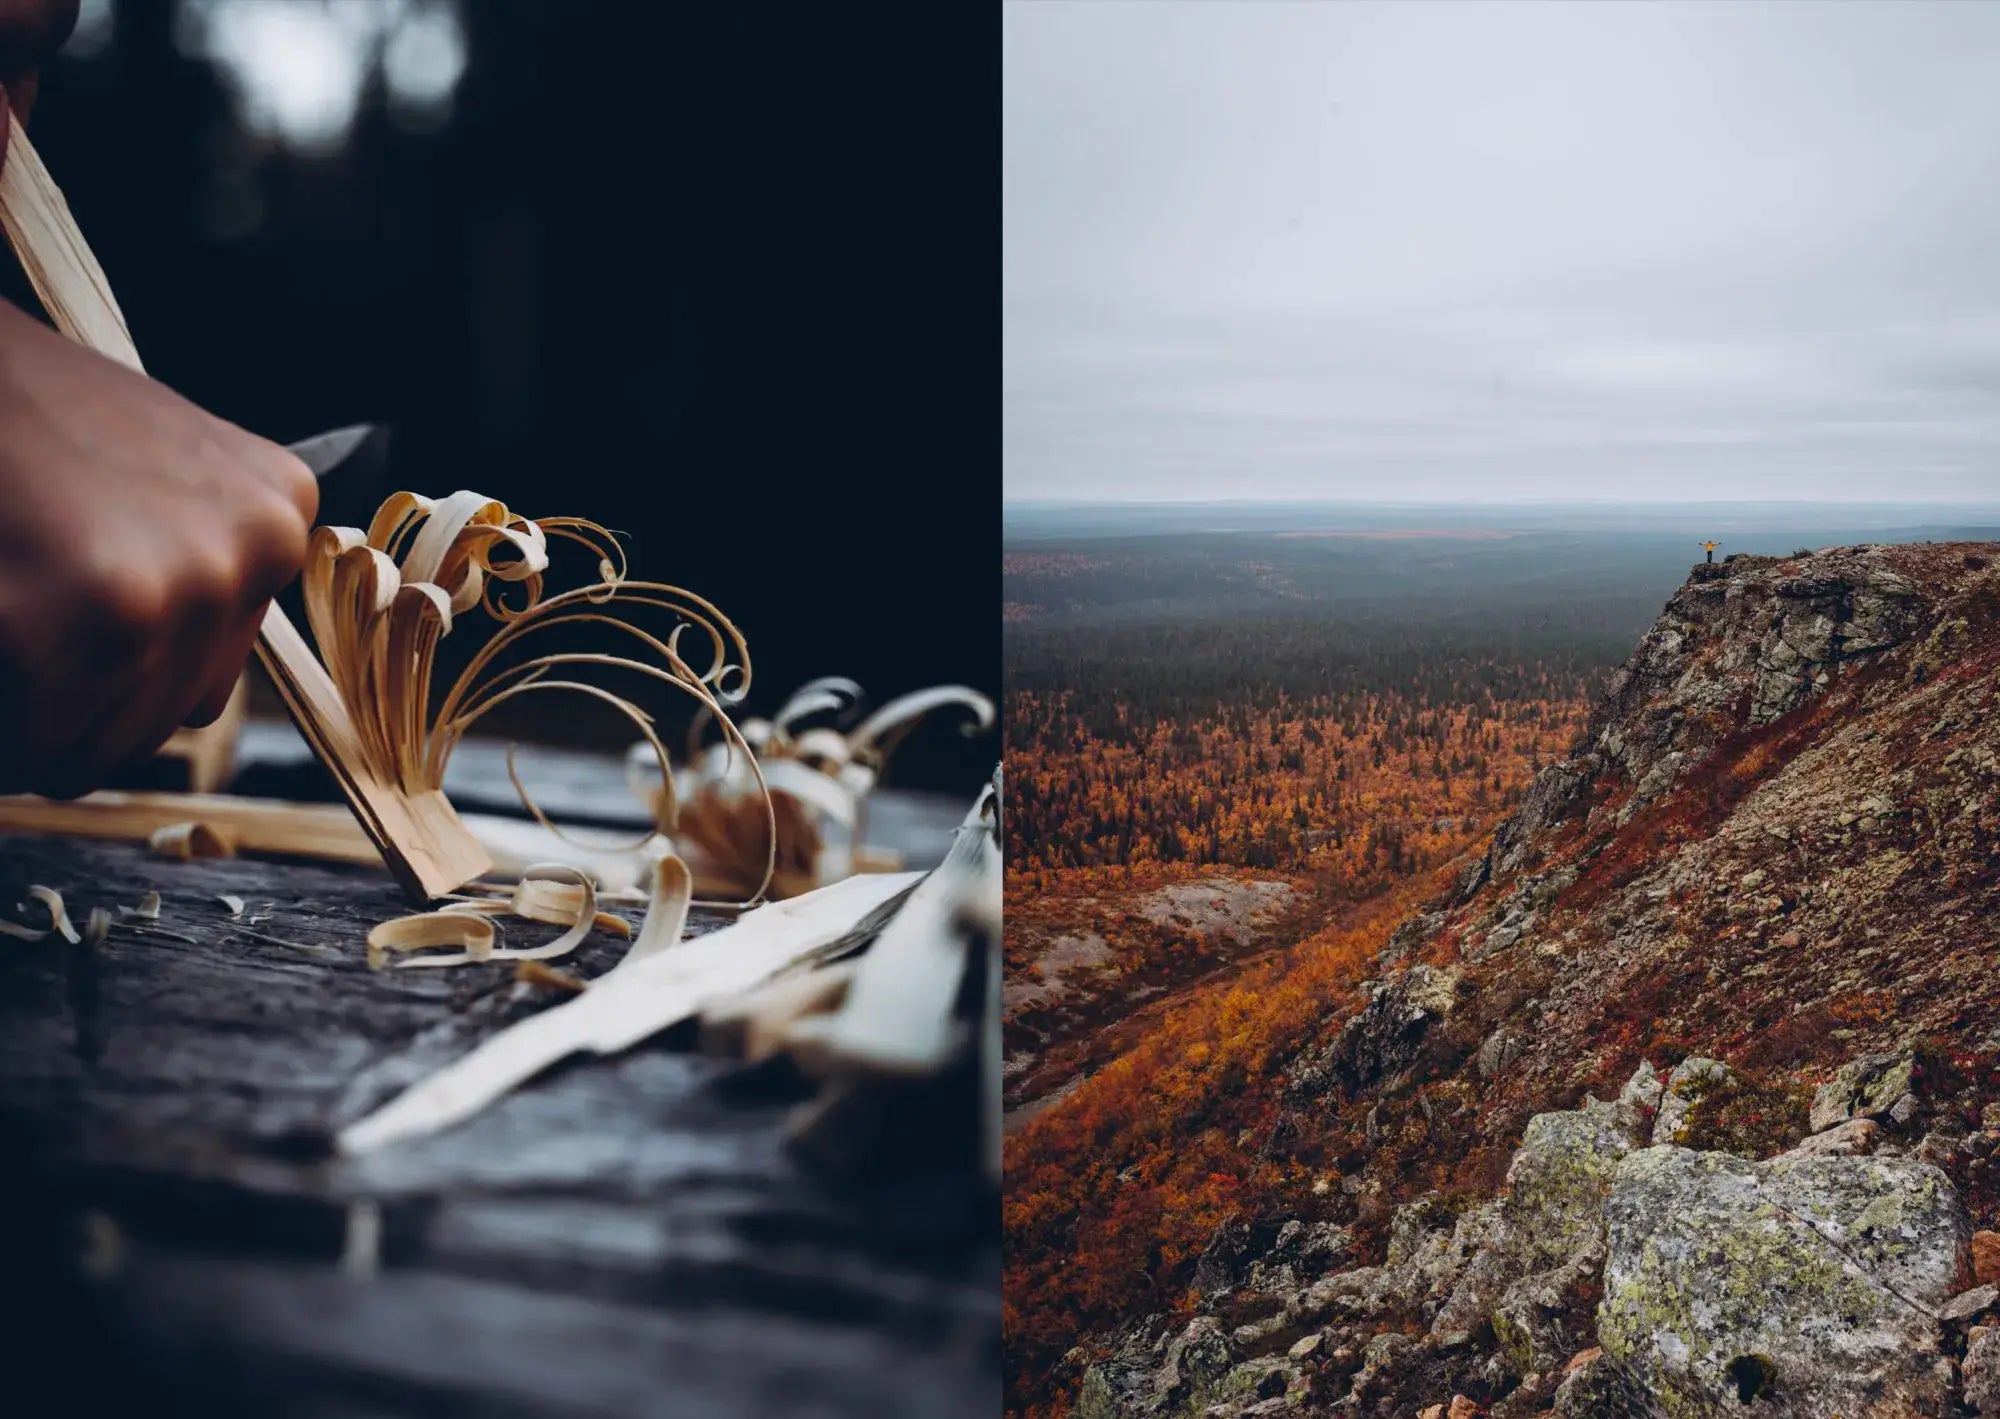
626,1236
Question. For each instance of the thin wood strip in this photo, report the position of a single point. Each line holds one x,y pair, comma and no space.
426,847
325,831
424,843
67,279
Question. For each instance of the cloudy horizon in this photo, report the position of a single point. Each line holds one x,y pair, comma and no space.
1501,252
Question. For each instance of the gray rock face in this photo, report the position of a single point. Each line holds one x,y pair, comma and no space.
1869,1087
1805,1285
1856,1136
1222,1260
1536,1253
1498,1053
1389,1032
1599,1387
1643,1090
1981,1370
1693,1079
1196,1358
1558,1181
1545,1318
1738,645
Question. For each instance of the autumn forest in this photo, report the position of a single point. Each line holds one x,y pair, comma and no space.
1232,765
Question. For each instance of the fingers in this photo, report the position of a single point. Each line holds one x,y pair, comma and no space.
149,631
225,668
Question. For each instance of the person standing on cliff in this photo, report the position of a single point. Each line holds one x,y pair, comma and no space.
1709,547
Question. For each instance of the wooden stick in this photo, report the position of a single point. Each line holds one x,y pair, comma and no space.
420,838
327,832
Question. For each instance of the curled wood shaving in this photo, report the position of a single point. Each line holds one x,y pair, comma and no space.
815,776
96,926
550,892
233,902
666,911
428,931
553,893
148,908
58,917
380,602
186,842
535,973
877,736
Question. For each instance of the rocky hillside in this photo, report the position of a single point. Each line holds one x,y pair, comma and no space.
1685,1100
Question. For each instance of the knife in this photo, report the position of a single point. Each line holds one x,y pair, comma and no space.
352,465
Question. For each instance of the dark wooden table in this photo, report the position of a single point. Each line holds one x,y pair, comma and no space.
626,1236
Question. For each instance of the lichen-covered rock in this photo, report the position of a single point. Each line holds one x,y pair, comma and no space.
1523,1251
1856,1137
1310,1245
1981,1372
1643,1090
1693,1079
1195,1360
1096,1399
1557,1183
1114,1389
1543,1318
1250,1382
1868,1087
1595,1386
1498,1052
1804,1284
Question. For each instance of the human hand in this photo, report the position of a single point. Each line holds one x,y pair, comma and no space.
140,541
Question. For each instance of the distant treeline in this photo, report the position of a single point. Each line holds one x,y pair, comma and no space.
1120,679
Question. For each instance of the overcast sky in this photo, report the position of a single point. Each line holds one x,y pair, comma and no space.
1502,251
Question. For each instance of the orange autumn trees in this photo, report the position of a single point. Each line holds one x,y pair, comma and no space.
1184,723
1111,1196
1364,785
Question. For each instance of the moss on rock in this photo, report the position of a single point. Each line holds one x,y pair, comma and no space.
1813,1274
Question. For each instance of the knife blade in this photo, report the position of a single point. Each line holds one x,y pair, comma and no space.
352,465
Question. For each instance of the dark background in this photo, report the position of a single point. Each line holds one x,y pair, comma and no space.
722,277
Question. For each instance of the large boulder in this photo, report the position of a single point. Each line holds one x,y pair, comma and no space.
1534,1272
1807,1285
1558,1180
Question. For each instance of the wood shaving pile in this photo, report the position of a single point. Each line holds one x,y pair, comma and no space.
818,778
380,602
